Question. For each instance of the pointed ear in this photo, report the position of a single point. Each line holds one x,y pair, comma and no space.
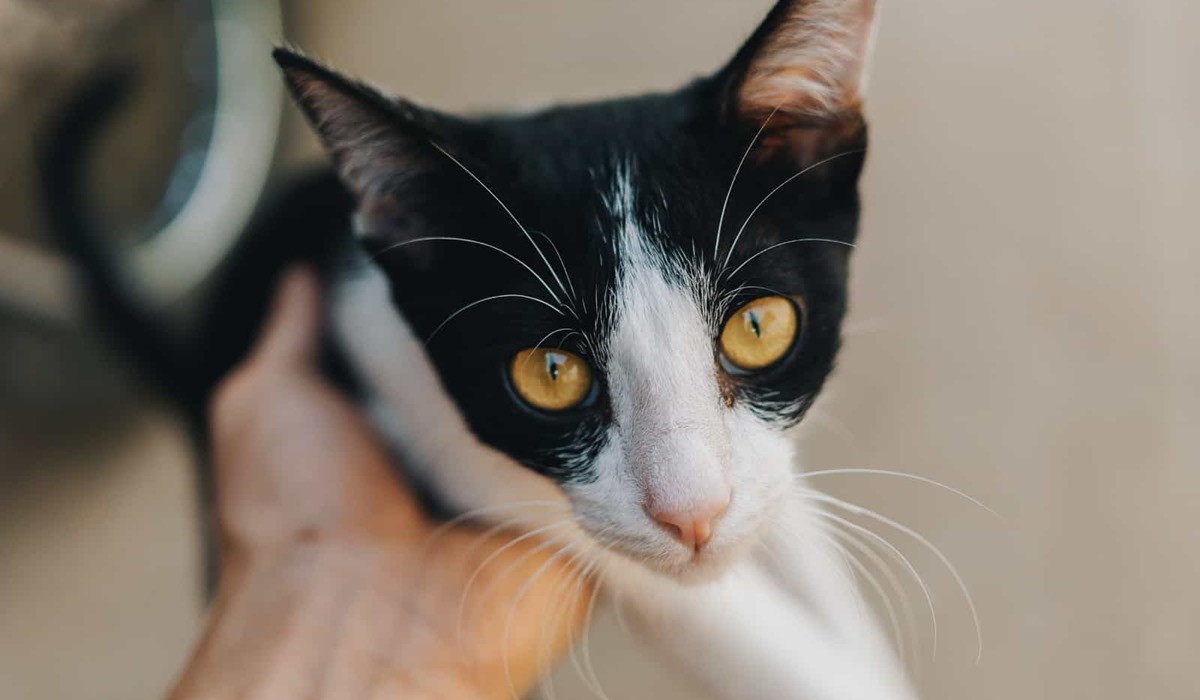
378,144
805,70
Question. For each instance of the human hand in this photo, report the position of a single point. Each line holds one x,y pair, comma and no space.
334,583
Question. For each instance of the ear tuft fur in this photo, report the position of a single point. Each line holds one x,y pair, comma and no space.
808,61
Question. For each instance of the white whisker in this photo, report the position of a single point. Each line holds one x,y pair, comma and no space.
726,300
893,580
472,305
901,475
492,510
590,567
563,265
867,512
572,594
462,605
588,665
841,571
563,340
736,173
583,669
768,249
564,594
512,608
785,183
489,246
875,585
619,610
904,561
746,287
549,335
511,215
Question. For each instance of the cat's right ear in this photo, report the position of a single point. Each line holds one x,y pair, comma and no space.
801,77
379,145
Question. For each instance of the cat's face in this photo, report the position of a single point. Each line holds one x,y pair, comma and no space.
602,298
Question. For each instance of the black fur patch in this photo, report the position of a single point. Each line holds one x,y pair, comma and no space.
499,233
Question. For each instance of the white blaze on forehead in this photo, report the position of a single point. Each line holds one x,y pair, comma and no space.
662,376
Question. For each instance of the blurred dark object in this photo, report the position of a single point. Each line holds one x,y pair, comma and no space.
167,116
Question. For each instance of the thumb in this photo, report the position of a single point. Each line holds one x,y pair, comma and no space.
293,328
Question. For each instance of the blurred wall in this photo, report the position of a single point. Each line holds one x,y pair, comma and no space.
1024,322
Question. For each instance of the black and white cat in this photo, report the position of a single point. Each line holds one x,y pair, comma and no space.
623,307
600,321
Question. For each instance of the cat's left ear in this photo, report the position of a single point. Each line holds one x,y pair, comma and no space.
803,75
381,147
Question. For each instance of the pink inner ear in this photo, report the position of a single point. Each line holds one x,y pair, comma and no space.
804,143
813,63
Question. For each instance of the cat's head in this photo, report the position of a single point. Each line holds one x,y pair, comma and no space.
634,298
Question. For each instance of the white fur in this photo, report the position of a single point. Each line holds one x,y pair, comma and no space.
674,445
751,634
775,614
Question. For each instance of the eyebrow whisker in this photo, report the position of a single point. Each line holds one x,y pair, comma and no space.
736,173
453,239
772,193
780,245
473,304
512,216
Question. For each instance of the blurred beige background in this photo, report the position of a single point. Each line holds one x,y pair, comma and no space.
1024,327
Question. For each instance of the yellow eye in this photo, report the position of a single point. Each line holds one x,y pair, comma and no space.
760,333
551,380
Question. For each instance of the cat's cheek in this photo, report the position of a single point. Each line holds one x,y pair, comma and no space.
762,473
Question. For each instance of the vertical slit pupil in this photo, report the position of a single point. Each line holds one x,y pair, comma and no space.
552,367
754,324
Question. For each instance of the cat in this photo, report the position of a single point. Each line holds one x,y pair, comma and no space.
598,322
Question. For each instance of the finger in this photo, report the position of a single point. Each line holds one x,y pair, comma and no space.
293,328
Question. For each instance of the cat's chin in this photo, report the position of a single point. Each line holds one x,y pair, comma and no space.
699,568
702,569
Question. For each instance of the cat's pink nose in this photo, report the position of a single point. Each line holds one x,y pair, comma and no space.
692,527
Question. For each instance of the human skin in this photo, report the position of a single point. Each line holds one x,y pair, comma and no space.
335,585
